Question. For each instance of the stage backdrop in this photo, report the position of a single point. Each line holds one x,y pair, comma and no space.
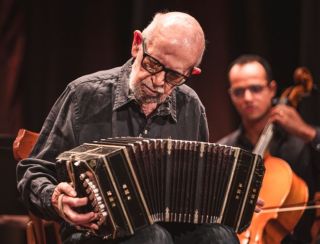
46,44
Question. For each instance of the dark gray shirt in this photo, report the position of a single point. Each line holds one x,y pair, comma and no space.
96,106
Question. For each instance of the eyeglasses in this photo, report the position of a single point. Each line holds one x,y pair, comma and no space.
153,66
239,92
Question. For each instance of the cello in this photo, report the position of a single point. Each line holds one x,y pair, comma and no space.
281,186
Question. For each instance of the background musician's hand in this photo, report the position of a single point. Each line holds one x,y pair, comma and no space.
259,205
290,120
64,201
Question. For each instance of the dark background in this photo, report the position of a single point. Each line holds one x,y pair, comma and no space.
54,42
46,44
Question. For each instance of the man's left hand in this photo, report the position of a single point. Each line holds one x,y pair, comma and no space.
290,120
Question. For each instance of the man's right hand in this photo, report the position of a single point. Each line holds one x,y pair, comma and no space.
64,199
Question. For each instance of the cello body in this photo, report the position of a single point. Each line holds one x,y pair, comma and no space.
315,230
280,187
277,229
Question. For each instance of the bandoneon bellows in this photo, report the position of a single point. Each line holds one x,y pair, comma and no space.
133,182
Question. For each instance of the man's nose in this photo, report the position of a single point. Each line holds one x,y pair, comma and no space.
159,78
247,94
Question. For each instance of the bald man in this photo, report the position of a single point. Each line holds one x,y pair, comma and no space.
145,97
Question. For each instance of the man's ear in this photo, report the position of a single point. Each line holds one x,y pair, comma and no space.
137,40
196,71
273,86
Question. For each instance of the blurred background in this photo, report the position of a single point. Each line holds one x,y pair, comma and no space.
46,44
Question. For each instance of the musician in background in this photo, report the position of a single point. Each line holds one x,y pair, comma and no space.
252,90
145,97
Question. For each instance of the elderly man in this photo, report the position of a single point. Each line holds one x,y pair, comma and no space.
145,97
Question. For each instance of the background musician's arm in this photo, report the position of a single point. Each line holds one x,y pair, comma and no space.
290,120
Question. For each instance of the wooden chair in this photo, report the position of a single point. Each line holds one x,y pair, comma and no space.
35,227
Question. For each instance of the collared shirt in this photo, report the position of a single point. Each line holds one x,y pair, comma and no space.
96,106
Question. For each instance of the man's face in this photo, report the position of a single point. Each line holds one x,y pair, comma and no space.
250,92
155,87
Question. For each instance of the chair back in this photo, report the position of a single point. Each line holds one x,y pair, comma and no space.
24,143
22,147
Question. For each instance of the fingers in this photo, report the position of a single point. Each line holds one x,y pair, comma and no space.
290,120
69,197
260,202
282,110
91,226
285,116
62,188
64,200
257,209
75,202
66,188
76,218
259,205
278,112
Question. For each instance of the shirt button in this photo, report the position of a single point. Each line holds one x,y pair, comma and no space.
146,132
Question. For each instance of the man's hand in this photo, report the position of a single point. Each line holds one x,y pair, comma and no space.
259,205
64,200
290,120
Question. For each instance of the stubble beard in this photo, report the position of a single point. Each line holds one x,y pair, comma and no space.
140,95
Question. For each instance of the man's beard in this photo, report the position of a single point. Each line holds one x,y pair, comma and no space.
141,96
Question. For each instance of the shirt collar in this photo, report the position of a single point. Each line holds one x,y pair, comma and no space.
124,96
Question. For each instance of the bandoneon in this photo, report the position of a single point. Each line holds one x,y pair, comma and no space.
132,182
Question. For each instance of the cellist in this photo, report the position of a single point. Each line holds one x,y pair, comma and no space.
252,91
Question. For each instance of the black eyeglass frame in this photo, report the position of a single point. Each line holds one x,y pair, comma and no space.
162,67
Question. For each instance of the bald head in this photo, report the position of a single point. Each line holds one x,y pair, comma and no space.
179,29
165,54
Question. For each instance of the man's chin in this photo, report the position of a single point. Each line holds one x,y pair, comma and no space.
254,118
149,100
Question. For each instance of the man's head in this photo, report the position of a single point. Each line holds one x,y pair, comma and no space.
251,87
165,54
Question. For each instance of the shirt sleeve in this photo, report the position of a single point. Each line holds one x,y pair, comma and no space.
36,175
